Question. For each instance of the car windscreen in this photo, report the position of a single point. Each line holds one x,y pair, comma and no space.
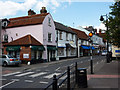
10,56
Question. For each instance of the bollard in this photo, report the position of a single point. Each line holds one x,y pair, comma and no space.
54,83
76,72
68,78
91,64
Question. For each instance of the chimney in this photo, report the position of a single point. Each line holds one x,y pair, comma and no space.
95,31
43,10
31,12
99,31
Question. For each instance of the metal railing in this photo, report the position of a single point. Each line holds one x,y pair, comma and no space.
69,81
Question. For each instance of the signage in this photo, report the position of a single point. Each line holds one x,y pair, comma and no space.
25,55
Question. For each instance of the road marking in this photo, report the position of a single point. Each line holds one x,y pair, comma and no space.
57,69
38,74
43,82
11,74
15,79
51,75
28,81
2,79
23,74
7,84
63,77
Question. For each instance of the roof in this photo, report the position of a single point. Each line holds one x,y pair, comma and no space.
26,40
80,34
27,20
62,27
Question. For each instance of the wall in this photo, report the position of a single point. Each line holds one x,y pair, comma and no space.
17,32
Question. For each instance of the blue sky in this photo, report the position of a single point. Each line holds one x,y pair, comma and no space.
67,12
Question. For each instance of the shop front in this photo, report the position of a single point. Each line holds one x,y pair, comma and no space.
51,53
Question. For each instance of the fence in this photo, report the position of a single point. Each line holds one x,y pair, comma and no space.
69,79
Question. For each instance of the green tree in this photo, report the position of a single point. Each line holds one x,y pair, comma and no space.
113,23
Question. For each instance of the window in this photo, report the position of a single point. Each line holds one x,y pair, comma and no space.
49,37
72,37
60,35
66,36
49,21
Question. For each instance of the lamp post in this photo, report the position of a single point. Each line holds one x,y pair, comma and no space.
102,19
3,24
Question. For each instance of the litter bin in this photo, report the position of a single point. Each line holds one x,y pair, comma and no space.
82,78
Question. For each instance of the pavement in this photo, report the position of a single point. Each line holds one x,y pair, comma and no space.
106,76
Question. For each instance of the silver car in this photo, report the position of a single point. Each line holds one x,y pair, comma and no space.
6,60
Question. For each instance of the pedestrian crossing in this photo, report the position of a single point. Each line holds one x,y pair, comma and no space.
46,75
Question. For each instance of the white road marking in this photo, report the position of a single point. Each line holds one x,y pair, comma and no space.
7,84
51,75
23,74
43,82
2,79
15,79
28,81
38,74
57,69
11,74
63,77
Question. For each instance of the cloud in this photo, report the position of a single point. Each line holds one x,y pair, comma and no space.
12,7
101,26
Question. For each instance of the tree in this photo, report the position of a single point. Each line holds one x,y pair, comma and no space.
113,23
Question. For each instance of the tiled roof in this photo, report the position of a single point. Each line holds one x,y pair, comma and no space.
27,20
80,34
26,40
62,27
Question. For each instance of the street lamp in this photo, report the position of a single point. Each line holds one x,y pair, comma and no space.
3,24
102,19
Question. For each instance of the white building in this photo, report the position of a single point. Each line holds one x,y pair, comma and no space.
66,41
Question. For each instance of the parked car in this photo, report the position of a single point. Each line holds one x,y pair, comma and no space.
6,60
104,53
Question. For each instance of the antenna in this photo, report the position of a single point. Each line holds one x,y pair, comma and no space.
73,24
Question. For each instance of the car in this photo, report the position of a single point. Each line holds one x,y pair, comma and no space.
104,53
6,60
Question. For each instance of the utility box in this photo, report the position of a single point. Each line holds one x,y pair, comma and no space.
82,78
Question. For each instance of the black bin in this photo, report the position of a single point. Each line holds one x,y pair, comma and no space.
82,78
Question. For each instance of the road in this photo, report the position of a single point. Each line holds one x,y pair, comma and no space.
40,75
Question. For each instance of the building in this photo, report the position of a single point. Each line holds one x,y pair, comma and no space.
82,43
66,41
41,27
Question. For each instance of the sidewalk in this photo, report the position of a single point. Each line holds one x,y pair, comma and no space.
106,75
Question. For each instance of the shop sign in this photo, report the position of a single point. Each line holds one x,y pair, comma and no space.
25,55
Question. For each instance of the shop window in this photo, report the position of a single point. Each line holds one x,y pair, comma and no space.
40,55
49,37
61,51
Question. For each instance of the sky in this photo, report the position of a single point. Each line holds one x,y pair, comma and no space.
72,13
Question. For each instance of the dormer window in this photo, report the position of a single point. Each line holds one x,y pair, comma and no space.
49,21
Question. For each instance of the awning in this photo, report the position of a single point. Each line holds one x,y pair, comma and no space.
70,45
85,47
51,48
37,48
13,48
93,48
62,45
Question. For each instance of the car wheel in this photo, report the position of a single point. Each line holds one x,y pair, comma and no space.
5,64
